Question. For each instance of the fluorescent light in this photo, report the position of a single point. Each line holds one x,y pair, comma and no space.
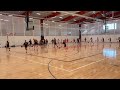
46,24
1,19
59,25
60,17
38,13
5,20
55,11
53,21
10,15
31,18
93,12
54,17
0,14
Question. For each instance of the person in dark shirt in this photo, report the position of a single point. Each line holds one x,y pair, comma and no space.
55,43
7,46
85,39
46,41
30,42
91,40
26,45
103,40
110,40
64,42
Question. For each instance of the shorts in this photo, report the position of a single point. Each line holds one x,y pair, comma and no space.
7,46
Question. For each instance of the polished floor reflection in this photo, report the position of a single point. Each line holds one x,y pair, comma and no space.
76,61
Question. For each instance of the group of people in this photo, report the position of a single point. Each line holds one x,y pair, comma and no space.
35,43
55,42
91,40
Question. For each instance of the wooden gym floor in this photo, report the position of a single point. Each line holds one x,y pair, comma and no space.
76,61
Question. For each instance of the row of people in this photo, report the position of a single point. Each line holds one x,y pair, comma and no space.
91,40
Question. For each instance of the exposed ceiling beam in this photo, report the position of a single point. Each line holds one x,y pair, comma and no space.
115,14
93,15
108,15
68,18
52,15
17,15
80,15
71,17
25,13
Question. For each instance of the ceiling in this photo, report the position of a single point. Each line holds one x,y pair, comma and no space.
73,17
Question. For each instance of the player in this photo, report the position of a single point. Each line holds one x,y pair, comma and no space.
119,41
110,40
30,42
97,39
103,40
46,42
55,43
85,39
91,40
64,42
35,43
26,45
7,46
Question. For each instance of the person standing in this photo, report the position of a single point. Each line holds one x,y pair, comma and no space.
26,45
55,43
110,40
97,39
103,40
46,41
85,39
64,42
7,46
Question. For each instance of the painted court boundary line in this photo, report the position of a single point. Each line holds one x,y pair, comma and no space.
56,67
38,62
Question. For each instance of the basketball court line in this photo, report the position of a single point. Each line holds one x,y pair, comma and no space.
58,57
38,62
64,69
86,65
41,74
81,66
53,66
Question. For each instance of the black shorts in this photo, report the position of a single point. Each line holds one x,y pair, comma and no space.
7,46
55,43
25,47
35,43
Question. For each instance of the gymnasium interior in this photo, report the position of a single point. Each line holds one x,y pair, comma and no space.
87,45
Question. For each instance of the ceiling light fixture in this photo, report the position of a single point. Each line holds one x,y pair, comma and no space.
1,19
93,12
10,15
31,18
60,17
38,13
6,20
55,11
